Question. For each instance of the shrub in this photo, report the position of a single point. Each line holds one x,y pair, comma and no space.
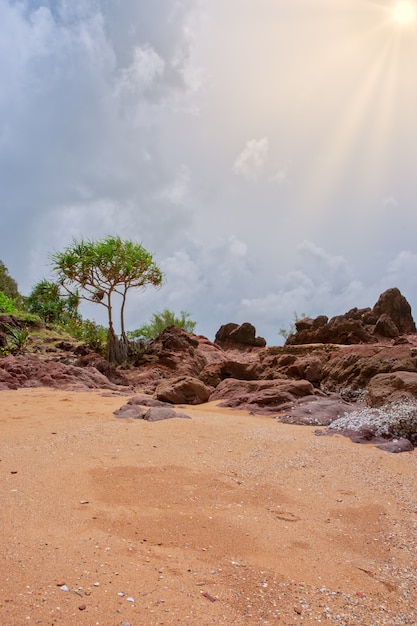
160,321
93,335
398,419
7,305
17,337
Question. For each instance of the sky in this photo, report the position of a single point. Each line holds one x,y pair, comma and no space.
264,151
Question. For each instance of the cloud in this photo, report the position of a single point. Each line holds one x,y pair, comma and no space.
146,67
252,160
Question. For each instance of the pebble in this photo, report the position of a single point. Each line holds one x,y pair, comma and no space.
64,588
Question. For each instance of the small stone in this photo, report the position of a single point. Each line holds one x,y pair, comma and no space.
298,609
64,588
130,599
82,607
84,502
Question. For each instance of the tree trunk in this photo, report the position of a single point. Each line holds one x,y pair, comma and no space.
117,349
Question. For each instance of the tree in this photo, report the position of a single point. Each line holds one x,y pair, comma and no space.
101,269
160,321
7,284
47,300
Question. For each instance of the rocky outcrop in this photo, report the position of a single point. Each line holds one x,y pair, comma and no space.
390,317
391,387
393,305
241,336
31,371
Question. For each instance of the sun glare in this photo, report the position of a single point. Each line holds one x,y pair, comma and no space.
404,12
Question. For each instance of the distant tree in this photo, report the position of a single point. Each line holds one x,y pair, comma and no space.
54,307
160,321
7,284
101,269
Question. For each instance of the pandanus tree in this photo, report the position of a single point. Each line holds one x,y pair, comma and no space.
99,271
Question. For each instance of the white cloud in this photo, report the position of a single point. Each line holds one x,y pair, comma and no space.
146,67
252,160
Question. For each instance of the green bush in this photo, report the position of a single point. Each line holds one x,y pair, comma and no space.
7,305
160,321
93,335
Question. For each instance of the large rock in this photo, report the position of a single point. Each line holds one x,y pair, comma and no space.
390,317
392,387
183,390
31,371
262,396
393,304
352,367
235,335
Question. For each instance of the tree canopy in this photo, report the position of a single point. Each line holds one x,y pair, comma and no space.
47,301
7,284
101,269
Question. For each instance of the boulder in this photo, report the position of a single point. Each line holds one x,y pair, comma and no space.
395,306
391,387
262,396
386,327
338,330
183,390
352,367
153,414
235,335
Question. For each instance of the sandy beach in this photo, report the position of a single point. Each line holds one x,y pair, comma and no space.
225,518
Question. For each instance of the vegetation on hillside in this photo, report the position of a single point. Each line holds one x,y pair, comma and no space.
96,271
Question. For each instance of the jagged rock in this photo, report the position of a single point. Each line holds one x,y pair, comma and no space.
338,330
386,327
391,387
352,367
390,317
262,396
393,304
235,335
30,371
183,390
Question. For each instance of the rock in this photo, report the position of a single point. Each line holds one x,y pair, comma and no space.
397,445
352,367
241,336
395,306
338,330
312,411
92,359
152,414
128,411
214,373
30,371
183,390
390,317
391,387
263,396
386,327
